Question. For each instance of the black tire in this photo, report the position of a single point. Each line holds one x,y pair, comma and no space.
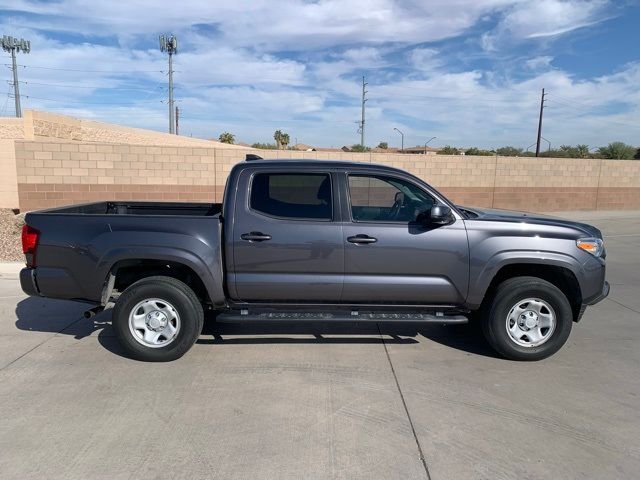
180,297
506,296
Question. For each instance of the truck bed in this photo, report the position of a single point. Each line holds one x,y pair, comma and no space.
140,208
79,245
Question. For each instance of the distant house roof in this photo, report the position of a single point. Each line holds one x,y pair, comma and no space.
302,147
420,149
384,150
327,149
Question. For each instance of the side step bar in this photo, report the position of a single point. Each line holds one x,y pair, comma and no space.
355,316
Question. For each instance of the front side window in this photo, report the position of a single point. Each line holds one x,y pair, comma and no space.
386,199
292,195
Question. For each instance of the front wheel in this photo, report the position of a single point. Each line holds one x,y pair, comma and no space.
527,319
157,319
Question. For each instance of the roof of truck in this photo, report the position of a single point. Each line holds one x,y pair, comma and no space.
277,162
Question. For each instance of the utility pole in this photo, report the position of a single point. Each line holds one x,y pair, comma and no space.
169,44
540,124
364,92
177,120
13,45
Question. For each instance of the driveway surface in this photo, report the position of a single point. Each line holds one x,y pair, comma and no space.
323,401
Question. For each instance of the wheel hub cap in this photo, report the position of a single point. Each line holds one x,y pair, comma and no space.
529,319
531,322
156,320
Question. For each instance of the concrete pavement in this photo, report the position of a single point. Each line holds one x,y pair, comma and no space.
323,401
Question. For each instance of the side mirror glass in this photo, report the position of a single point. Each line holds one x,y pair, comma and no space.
441,215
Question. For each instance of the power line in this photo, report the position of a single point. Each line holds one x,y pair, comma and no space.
6,102
86,102
115,72
593,119
61,85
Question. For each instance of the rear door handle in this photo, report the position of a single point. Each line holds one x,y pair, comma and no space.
255,237
361,239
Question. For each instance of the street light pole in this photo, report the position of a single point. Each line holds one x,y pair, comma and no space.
402,140
425,144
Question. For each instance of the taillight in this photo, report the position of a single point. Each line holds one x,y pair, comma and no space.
29,244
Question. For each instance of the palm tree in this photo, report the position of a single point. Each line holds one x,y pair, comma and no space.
281,138
582,151
226,137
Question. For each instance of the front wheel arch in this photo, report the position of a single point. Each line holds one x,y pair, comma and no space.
561,277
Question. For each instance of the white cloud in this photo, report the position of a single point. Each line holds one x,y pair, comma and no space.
539,63
253,66
545,18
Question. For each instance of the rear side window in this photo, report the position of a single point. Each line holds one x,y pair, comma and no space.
292,195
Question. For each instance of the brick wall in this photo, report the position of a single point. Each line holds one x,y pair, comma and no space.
51,174
8,175
48,160
58,173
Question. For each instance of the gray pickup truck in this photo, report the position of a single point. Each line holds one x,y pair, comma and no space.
317,241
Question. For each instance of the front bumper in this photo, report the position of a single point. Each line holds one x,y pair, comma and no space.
601,296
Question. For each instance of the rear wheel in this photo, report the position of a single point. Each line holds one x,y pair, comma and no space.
157,319
527,319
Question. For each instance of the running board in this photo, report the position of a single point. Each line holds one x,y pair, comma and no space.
354,316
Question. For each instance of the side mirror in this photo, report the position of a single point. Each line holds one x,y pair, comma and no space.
441,215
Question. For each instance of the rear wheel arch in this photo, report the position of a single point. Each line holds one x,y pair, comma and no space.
125,273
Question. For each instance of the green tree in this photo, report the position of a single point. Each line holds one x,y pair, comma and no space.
226,137
509,151
281,138
477,151
582,151
567,151
637,155
618,151
383,145
264,146
449,150
359,148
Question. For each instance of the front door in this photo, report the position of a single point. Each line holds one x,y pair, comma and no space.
392,258
286,245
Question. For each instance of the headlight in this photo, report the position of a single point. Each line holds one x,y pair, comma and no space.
593,245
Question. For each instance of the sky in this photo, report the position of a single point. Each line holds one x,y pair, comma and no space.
469,72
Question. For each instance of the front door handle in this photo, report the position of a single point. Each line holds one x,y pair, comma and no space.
255,237
361,239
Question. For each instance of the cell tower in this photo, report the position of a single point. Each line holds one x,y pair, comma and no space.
13,45
169,44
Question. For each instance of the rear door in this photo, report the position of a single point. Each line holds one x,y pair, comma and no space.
392,258
287,244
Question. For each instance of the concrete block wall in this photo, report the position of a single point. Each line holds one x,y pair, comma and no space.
8,175
57,173
51,174
48,160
